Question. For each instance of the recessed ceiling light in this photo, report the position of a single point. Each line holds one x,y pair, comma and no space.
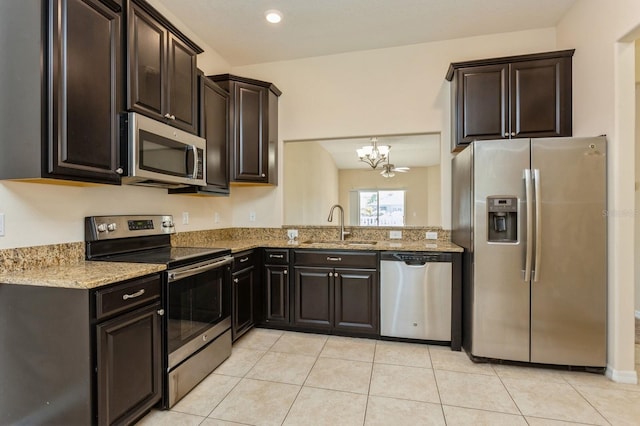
273,16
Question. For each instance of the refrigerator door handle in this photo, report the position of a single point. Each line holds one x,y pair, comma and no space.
536,182
529,201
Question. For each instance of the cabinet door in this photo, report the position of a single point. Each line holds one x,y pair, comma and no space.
128,365
356,300
250,149
482,103
146,56
243,297
277,294
214,127
313,297
84,83
541,98
181,85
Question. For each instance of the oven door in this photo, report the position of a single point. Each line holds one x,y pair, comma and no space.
198,307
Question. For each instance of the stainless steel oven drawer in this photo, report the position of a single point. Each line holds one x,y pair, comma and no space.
127,295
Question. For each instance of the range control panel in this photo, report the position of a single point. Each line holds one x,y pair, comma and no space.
111,227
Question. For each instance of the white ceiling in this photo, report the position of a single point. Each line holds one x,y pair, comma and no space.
419,150
237,30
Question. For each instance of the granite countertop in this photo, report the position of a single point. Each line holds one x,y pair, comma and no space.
83,275
399,245
80,274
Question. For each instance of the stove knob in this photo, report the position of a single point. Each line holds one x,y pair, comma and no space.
102,227
112,227
167,224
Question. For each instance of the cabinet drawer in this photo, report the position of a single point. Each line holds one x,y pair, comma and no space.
276,256
243,260
342,259
127,295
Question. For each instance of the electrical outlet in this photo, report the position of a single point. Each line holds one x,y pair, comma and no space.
216,217
292,234
1,224
252,216
433,235
185,218
395,235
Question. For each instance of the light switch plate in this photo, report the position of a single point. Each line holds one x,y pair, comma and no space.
1,224
395,235
432,235
185,218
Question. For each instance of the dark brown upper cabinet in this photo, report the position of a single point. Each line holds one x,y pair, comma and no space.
254,129
524,96
214,127
162,68
65,86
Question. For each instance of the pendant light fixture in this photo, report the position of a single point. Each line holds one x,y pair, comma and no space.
373,154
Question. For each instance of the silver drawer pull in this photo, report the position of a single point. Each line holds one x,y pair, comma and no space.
244,260
334,259
276,256
133,295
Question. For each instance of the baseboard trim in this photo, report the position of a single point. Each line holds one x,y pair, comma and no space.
622,376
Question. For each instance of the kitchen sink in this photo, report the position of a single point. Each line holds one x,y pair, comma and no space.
342,243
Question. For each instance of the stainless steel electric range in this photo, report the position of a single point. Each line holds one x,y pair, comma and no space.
196,293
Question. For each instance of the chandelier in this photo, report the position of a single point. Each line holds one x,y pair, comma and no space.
373,154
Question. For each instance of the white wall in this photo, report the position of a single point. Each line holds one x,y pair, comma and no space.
312,183
603,102
385,91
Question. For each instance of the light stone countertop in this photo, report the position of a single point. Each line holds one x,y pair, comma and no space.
83,275
89,275
237,246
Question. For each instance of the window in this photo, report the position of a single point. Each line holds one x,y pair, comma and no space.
381,208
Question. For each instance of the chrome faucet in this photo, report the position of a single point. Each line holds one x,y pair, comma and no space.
343,233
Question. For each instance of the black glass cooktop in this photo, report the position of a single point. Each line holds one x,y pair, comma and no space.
170,256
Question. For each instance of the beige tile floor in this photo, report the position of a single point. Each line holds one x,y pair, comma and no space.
286,378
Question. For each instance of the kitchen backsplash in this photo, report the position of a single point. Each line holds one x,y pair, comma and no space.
16,259
19,259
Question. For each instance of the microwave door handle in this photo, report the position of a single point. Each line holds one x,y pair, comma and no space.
194,174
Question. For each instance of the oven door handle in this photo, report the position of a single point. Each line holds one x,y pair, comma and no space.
178,274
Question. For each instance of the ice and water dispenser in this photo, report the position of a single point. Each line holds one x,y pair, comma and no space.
503,219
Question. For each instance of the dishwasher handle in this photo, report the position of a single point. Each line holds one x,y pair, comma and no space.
416,258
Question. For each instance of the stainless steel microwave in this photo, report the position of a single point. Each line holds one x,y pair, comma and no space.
160,155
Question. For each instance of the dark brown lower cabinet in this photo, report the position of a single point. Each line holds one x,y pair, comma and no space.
342,299
313,292
80,356
356,300
129,364
243,294
276,288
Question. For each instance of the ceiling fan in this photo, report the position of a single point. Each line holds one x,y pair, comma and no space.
388,170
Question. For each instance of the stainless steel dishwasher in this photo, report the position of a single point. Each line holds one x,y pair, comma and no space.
415,295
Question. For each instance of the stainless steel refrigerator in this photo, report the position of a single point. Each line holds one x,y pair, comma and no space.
531,216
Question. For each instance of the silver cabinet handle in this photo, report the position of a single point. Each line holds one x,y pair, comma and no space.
536,267
529,201
119,170
168,116
244,260
235,280
284,272
331,274
276,256
160,312
133,295
334,259
513,133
